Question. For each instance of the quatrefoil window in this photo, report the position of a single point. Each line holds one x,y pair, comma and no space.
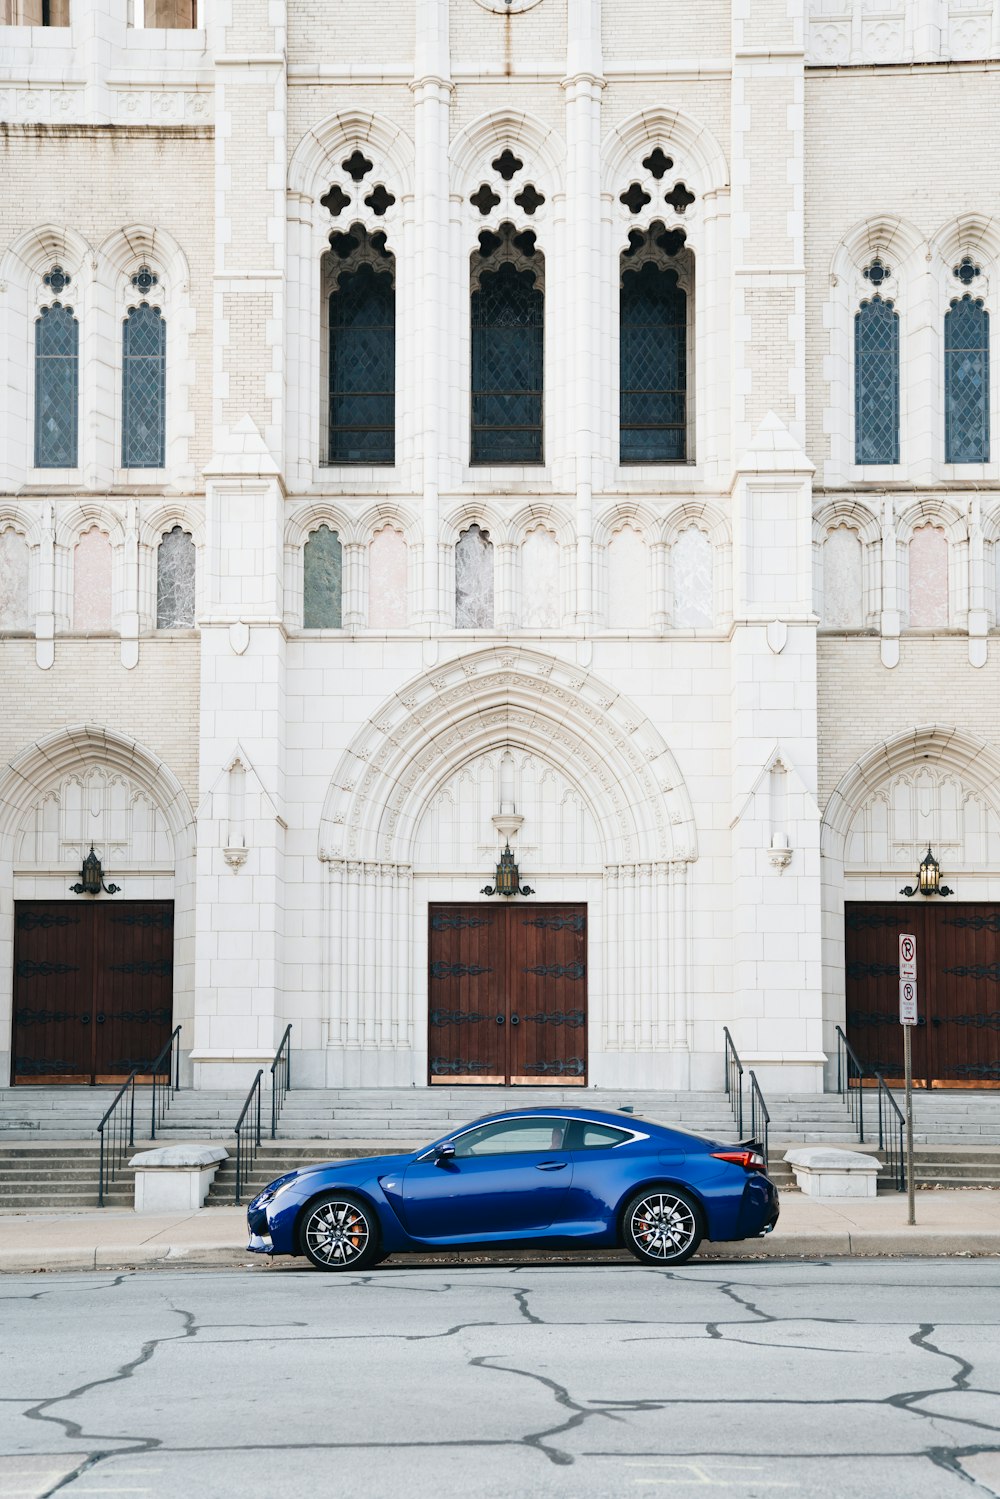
877,272
657,164
56,279
336,200
379,199
679,198
485,199
966,271
507,164
529,198
357,166
144,279
634,198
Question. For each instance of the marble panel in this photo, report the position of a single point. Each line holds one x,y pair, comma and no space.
14,613
692,571
474,580
175,569
540,606
929,578
322,581
387,568
843,603
628,580
92,582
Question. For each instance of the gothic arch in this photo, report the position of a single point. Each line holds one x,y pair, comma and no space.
507,127
976,762
318,152
675,128
445,717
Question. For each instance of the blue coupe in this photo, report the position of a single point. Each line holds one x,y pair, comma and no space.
551,1178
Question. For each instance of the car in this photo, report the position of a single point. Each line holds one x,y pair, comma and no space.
545,1178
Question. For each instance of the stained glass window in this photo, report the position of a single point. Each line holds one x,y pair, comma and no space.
322,580
144,388
57,374
175,563
653,366
967,381
363,368
876,383
508,312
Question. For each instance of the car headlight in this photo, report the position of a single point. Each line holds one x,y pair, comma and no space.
272,1189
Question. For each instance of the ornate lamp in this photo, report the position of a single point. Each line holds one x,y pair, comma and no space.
92,878
928,878
508,878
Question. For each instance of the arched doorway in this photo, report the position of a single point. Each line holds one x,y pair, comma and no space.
508,743
932,787
93,985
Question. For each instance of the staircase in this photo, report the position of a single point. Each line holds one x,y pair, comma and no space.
49,1150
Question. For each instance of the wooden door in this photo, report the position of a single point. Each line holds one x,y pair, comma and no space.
507,994
93,989
957,1040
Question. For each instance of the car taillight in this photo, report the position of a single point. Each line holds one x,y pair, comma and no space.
750,1160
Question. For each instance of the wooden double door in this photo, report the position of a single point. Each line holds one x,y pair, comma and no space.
93,988
956,1043
507,994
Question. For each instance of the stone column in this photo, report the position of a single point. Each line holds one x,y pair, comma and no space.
583,84
239,919
431,88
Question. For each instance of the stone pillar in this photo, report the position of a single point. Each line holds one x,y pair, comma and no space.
777,986
431,88
240,848
583,84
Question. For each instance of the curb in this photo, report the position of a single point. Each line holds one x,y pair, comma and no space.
859,1244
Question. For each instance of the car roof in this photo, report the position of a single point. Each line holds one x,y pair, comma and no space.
609,1116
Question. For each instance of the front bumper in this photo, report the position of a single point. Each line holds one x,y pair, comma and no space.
260,1244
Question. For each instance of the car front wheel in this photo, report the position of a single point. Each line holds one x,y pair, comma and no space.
662,1226
339,1232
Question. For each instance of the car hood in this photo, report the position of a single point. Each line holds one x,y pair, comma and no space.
359,1166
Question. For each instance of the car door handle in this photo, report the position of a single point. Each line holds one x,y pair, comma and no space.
551,1166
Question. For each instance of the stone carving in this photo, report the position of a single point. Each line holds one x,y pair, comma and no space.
933,806
99,806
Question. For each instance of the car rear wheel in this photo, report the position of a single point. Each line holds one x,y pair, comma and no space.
662,1226
338,1232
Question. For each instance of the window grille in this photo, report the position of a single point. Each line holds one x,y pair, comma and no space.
967,381
508,316
362,412
876,382
144,388
57,375
653,366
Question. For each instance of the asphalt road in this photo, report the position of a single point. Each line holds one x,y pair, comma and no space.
845,1378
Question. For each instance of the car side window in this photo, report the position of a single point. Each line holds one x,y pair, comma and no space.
507,1137
585,1135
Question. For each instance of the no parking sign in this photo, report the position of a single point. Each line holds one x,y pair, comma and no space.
907,979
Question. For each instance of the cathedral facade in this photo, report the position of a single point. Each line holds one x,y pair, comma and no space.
450,426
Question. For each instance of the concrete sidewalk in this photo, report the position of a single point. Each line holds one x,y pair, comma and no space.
948,1223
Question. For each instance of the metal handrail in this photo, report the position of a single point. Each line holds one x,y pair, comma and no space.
890,1137
734,1079
114,1149
163,1092
281,1078
247,1148
850,1082
759,1116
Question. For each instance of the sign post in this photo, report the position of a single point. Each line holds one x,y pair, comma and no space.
908,1019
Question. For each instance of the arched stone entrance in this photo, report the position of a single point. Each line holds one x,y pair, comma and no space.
608,824
90,983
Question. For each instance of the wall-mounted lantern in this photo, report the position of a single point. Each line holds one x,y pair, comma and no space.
508,878
928,878
92,878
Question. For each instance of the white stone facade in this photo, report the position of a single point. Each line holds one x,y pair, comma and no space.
724,695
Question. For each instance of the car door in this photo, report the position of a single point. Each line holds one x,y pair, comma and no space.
509,1178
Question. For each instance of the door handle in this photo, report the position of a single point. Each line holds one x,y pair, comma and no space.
499,1020
551,1166
515,1020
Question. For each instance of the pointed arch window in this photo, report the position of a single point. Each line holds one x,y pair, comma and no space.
654,354
508,322
175,576
474,580
361,414
876,382
967,381
57,382
322,581
144,388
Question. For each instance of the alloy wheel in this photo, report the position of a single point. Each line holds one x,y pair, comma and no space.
662,1226
337,1235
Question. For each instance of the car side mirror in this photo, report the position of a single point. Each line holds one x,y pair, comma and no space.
443,1153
